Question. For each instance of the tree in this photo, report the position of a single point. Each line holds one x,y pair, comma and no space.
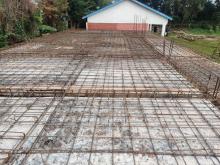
217,2
157,4
191,9
217,13
79,8
14,12
55,12
207,14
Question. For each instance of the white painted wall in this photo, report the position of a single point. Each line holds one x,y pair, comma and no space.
127,12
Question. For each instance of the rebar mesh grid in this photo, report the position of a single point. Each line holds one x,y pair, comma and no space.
115,56
199,70
101,98
90,128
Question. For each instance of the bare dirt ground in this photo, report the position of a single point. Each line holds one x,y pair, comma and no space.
101,98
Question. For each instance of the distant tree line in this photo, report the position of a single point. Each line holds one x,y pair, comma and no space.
23,19
188,12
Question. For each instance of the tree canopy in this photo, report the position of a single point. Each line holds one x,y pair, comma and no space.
79,8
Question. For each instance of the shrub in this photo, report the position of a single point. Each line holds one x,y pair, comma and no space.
47,29
36,23
19,31
14,38
206,26
62,25
3,40
216,28
202,25
38,17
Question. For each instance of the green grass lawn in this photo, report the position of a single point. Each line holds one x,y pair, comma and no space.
203,47
200,31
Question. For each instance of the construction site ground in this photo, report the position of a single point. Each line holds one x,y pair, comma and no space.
102,98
